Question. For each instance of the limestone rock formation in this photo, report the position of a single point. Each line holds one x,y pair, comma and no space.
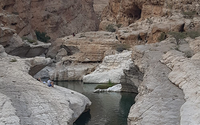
127,12
24,100
185,75
99,6
23,48
56,18
159,101
110,69
115,88
71,71
85,47
149,20
79,55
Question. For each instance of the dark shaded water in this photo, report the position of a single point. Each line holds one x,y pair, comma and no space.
108,108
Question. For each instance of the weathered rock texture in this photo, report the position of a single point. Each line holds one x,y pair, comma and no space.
79,55
147,20
56,18
110,69
23,48
24,100
185,74
159,101
126,12
99,6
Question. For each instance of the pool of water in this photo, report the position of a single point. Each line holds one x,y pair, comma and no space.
108,108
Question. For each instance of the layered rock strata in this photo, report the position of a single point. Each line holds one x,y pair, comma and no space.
79,55
127,12
24,100
148,21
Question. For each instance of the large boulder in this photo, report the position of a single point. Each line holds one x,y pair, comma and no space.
110,69
6,34
24,100
23,48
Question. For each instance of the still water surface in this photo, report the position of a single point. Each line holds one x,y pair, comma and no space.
108,108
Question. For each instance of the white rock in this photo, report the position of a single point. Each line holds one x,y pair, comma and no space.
115,88
111,69
186,74
28,101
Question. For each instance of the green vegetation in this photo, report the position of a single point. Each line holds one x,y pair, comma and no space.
91,40
82,35
189,14
193,34
181,35
149,20
41,36
105,85
162,37
30,40
13,60
15,13
122,47
125,31
188,54
110,28
119,25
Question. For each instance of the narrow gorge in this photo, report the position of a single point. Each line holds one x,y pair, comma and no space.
146,48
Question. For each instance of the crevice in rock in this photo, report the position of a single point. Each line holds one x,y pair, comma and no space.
133,14
13,24
7,7
70,49
131,79
182,28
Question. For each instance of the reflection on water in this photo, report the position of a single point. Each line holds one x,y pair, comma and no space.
108,108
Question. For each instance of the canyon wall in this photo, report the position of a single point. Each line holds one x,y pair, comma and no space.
125,12
56,17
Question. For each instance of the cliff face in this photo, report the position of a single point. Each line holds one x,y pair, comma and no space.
140,21
99,6
126,12
56,17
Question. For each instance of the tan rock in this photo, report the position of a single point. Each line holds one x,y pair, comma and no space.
56,18
6,34
99,5
194,45
86,47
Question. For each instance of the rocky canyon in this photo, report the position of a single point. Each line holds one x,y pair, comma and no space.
150,47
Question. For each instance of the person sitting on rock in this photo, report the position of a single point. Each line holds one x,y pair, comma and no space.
39,79
50,83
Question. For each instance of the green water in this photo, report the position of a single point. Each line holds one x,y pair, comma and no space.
108,108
